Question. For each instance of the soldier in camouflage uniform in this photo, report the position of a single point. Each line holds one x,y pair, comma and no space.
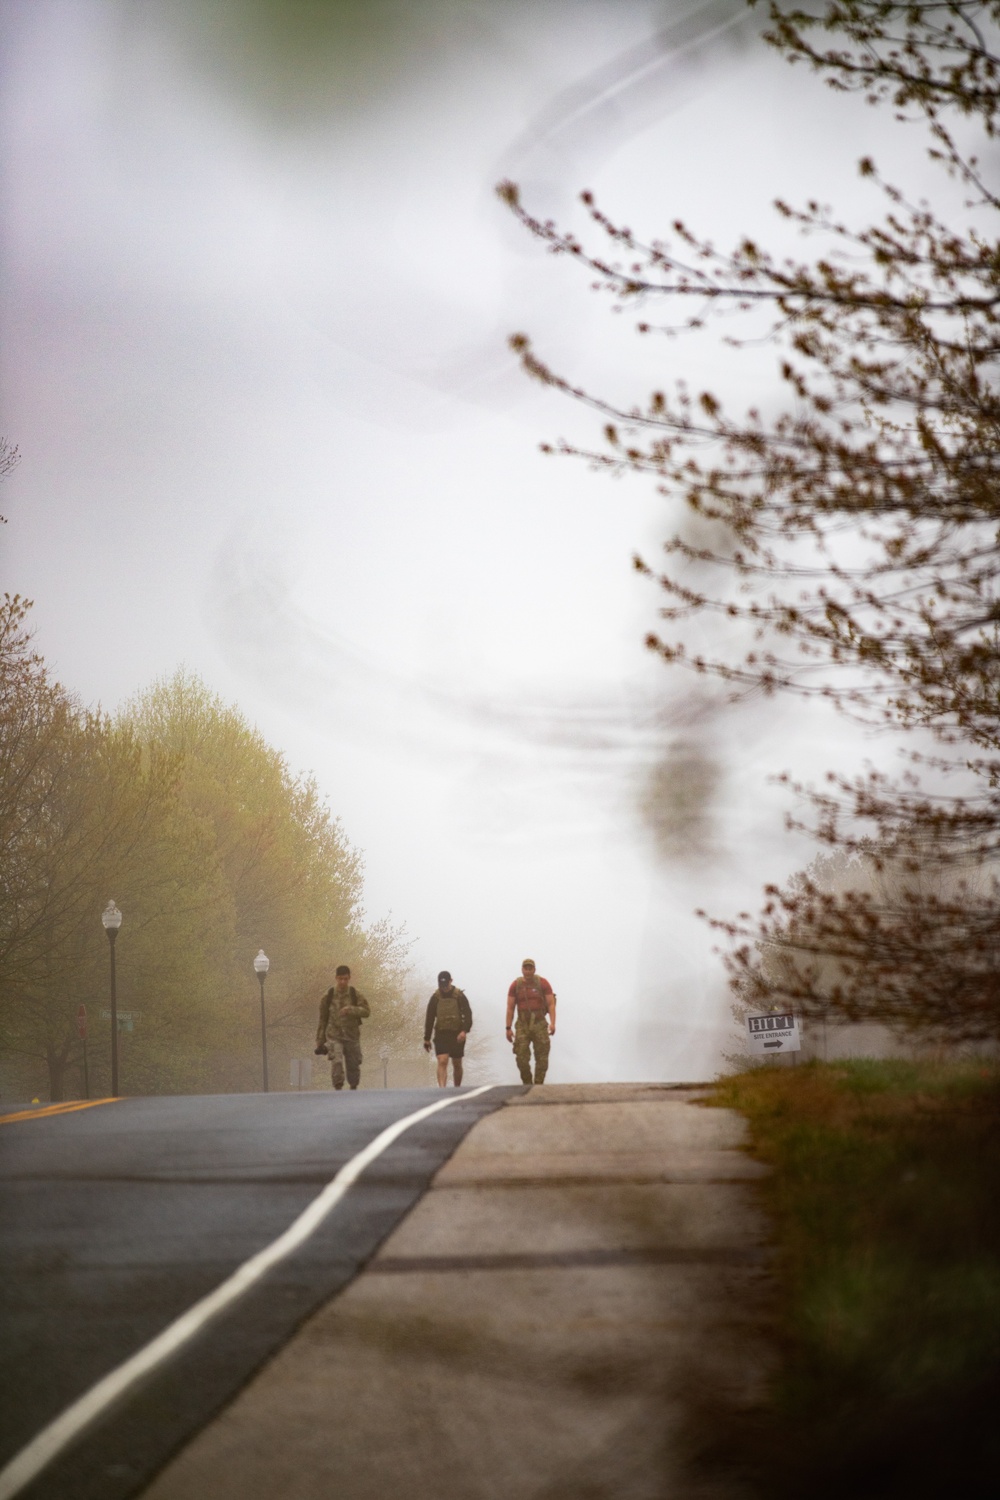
536,1021
341,1011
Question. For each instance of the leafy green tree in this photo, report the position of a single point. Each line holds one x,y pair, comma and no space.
85,813
182,813
34,715
853,535
294,883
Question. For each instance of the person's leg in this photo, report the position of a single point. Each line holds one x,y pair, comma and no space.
457,1069
442,1063
542,1044
522,1050
336,1064
352,1057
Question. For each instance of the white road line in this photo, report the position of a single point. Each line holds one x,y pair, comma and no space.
54,1438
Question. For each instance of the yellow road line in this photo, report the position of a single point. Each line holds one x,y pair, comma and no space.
54,1109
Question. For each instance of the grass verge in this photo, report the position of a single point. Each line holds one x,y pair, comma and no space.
885,1198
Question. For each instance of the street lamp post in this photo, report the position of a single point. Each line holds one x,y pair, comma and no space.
261,964
112,919
384,1055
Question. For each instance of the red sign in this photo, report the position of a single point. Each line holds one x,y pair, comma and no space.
81,1022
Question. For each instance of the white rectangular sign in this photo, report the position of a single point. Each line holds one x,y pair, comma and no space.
128,1020
773,1033
300,1072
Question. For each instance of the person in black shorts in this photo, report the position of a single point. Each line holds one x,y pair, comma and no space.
449,1016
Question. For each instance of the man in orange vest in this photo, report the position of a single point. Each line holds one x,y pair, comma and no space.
535,1002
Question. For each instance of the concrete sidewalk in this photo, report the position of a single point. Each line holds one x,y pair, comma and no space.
565,1315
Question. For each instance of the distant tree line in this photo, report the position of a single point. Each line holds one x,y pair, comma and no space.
180,811
845,546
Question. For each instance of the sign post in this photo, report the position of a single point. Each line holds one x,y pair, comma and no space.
773,1034
384,1055
81,1031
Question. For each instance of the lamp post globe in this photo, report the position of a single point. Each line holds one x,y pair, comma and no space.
111,919
261,965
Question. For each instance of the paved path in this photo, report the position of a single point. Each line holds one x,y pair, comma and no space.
114,1220
563,1316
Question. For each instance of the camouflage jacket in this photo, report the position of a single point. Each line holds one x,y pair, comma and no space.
340,1016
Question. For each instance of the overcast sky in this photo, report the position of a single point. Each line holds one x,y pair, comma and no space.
256,294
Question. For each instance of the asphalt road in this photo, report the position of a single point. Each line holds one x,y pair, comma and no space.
114,1220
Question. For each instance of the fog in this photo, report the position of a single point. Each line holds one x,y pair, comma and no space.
256,298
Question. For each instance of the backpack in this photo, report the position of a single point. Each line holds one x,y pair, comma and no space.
331,1002
449,1011
331,996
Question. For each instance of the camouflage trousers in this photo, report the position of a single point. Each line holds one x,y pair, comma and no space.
532,1030
344,1054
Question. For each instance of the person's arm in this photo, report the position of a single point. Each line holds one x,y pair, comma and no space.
432,1006
510,1012
324,1016
551,998
464,1016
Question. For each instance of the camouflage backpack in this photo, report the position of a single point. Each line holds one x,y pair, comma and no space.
449,1013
